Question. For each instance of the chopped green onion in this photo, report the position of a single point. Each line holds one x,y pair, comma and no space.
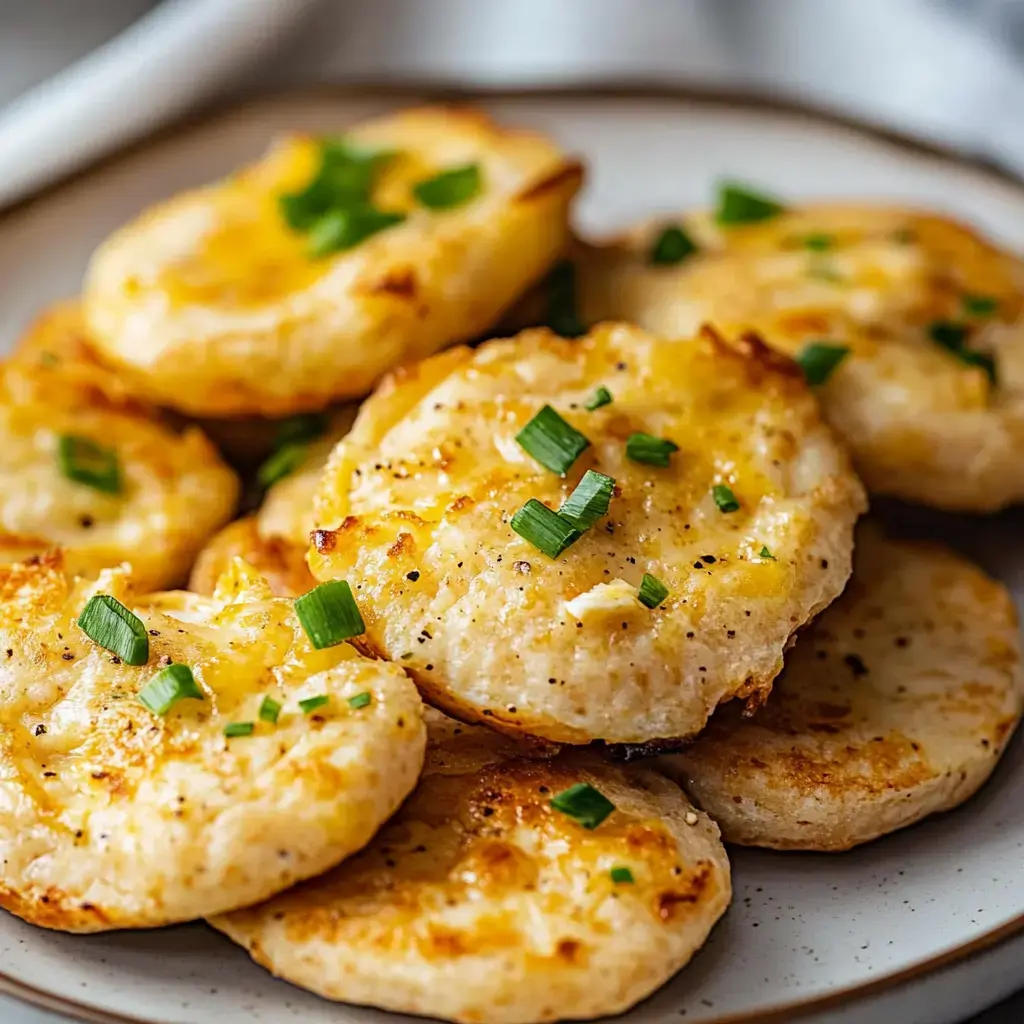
765,553
547,531
449,188
819,359
270,710
739,205
344,178
621,876
589,501
672,246
824,272
602,396
167,687
652,451
343,229
584,804
239,729
562,316
651,591
360,700
106,621
305,427
312,703
555,444
724,498
953,337
88,463
904,236
818,243
979,305
285,461
329,614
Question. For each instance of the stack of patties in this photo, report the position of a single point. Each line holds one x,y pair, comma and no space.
572,544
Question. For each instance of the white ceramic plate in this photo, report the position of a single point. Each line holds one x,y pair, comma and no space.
841,939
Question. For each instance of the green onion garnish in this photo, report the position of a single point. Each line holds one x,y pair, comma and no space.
344,229
167,687
449,188
107,622
602,396
652,451
88,463
589,501
724,498
547,531
329,614
818,243
344,179
239,729
305,427
584,804
285,461
562,316
651,591
765,553
739,205
312,703
269,710
555,444
673,245
979,305
621,876
819,359
360,700
953,337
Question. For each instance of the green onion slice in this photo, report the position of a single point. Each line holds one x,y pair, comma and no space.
621,876
953,337
740,205
449,188
329,614
652,451
107,622
547,531
360,700
89,463
312,703
589,501
343,229
672,246
651,591
555,444
285,461
819,359
724,498
167,687
239,729
301,429
765,553
602,396
979,305
270,710
818,242
562,316
584,804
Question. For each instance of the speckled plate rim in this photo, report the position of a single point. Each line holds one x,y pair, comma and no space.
797,1009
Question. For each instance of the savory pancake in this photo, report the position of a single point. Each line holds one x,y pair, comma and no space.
300,280
86,468
895,704
168,757
910,325
481,900
591,539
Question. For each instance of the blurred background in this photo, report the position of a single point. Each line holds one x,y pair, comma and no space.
79,78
